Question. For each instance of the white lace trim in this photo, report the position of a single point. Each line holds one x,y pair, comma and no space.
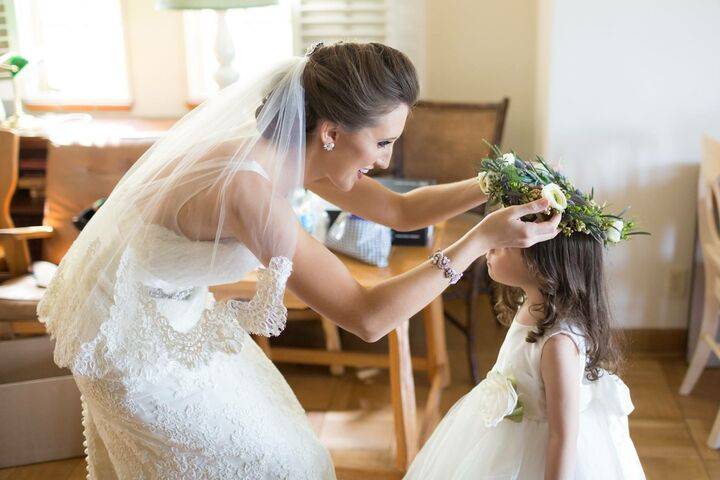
59,308
136,337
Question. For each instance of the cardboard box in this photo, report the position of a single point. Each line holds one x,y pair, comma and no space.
40,411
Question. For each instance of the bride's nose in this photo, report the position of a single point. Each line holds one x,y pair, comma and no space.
383,163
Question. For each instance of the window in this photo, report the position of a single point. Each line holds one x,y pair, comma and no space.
4,27
263,35
334,20
76,51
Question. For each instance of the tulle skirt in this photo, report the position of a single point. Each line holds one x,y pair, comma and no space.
463,448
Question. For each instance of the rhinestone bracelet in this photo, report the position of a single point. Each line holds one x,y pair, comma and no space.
443,263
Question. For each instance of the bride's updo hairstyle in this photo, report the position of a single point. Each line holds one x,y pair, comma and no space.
570,274
352,84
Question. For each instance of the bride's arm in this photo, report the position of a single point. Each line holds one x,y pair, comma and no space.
322,281
416,209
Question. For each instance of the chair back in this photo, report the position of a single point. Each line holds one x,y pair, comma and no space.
445,141
77,175
709,204
14,255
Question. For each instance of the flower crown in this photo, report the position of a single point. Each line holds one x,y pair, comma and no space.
508,180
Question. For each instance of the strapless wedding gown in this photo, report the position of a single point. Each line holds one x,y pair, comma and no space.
173,386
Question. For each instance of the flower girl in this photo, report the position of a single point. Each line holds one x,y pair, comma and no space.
551,407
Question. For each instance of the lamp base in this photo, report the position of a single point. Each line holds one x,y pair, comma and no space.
225,52
22,122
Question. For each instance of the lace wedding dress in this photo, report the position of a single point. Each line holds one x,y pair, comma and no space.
173,386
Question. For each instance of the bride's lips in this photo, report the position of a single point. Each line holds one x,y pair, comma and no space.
363,171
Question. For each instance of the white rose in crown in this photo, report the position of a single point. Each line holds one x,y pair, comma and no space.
508,159
614,232
483,180
554,194
498,399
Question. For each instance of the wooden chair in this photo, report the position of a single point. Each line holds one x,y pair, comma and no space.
445,142
713,440
19,290
76,176
709,231
297,310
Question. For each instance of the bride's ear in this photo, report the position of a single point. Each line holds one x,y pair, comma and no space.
327,131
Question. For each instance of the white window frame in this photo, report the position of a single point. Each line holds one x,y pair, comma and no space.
32,90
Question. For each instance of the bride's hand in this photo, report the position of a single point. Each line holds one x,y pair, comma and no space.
504,227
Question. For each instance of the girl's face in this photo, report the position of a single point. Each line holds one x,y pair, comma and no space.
357,152
506,266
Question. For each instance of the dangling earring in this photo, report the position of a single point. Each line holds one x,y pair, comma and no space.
329,147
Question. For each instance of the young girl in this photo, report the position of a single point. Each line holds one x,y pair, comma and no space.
551,407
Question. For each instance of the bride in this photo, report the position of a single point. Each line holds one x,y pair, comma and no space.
172,385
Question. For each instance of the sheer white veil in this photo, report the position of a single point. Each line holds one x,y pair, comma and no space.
222,177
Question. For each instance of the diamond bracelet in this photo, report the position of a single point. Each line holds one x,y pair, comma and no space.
443,263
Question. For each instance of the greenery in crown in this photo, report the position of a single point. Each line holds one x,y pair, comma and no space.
508,180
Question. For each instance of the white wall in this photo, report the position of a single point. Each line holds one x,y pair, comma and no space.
631,87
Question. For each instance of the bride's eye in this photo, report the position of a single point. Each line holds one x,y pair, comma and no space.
384,143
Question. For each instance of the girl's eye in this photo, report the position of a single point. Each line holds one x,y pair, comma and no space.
384,143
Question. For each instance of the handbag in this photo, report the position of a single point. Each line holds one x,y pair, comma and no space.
356,237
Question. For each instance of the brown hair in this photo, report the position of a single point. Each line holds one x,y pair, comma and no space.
571,278
352,84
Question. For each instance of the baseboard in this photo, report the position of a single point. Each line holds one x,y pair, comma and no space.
656,340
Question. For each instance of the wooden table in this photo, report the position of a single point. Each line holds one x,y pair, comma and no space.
409,432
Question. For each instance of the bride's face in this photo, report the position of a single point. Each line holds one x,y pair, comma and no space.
359,151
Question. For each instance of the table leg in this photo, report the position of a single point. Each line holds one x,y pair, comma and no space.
332,343
434,320
264,344
402,386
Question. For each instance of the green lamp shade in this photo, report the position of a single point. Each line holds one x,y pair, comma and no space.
15,60
212,4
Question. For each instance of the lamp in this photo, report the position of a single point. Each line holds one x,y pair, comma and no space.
224,49
10,65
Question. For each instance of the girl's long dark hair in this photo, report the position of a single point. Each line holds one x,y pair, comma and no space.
571,277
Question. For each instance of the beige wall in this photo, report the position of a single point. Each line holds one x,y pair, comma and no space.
480,51
156,59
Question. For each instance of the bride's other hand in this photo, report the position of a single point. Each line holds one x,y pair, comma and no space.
505,227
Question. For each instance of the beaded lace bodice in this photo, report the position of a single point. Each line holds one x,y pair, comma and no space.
151,323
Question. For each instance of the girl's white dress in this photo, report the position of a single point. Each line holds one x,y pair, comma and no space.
462,447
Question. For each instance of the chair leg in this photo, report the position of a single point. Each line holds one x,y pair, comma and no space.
714,438
332,343
702,350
